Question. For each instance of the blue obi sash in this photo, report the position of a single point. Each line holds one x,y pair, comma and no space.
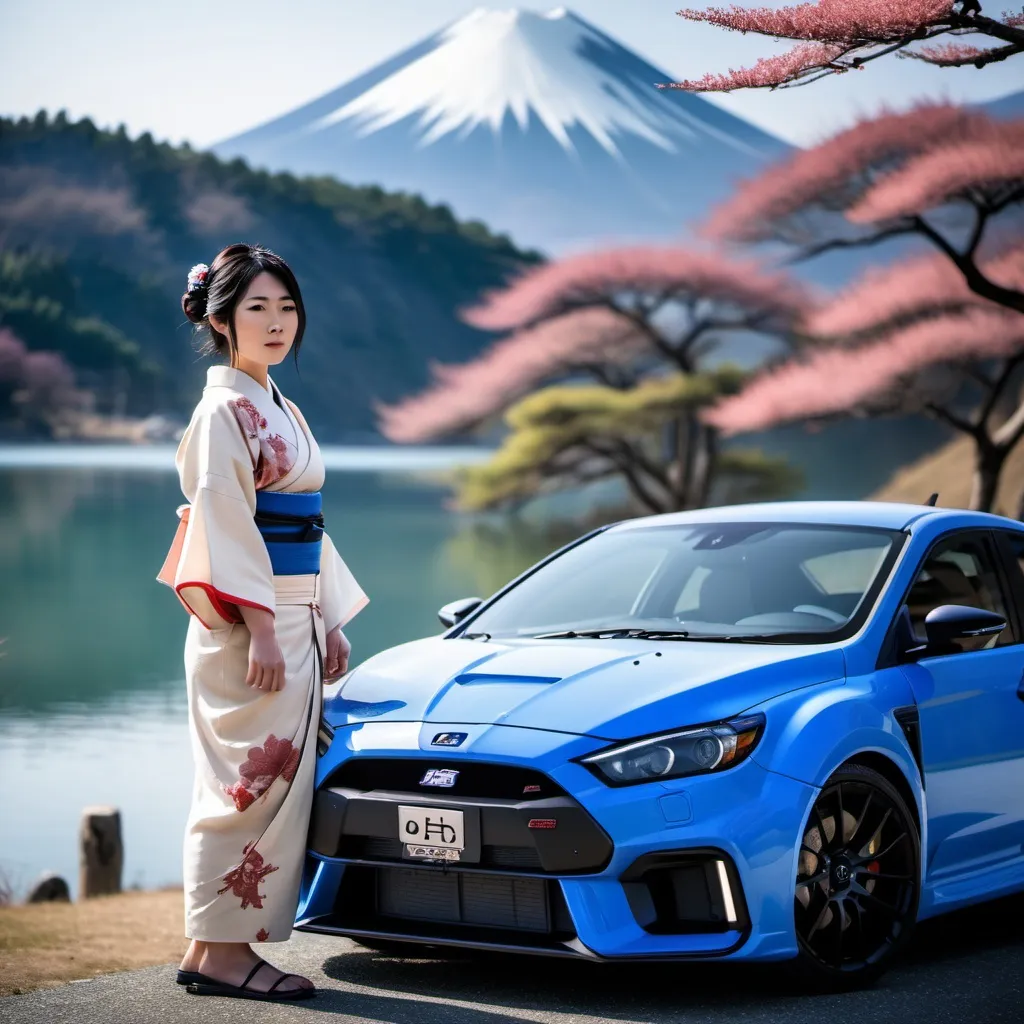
292,526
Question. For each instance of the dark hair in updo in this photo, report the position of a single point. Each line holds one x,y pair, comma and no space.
232,271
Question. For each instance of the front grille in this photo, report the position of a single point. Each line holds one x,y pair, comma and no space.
490,901
515,818
475,779
452,903
523,858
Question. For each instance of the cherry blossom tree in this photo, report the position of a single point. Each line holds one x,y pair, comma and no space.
912,338
938,172
642,324
836,36
37,388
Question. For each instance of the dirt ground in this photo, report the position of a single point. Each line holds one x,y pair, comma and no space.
47,944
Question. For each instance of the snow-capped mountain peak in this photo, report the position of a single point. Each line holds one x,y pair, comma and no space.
538,124
493,63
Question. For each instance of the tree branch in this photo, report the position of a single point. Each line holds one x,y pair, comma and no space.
1011,431
625,467
953,420
902,228
997,388
976,280
978,60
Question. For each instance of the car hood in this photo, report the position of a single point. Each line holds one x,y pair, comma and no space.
611,689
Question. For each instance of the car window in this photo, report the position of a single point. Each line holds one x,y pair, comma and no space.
707,579
1015,543
960,570
845,572
605,591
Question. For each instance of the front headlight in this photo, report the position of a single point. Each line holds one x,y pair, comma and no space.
696,751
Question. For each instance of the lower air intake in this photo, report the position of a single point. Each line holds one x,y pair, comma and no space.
485,901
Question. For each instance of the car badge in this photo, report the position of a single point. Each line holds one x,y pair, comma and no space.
542,823
440,777
531,789
449,739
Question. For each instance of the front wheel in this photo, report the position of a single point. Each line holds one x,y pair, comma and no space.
857,881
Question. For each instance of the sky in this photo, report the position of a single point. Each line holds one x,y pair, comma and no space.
205,71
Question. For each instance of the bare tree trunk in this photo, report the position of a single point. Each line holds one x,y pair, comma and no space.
988,466
705,467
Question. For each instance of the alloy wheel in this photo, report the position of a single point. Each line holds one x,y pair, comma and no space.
857,874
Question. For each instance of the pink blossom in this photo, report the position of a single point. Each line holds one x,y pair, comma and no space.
587,310
841,21
946,172
832,173
596,277
464,395
950,55
838,380
906,289
12,356
768,71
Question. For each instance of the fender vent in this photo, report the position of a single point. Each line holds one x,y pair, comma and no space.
909,720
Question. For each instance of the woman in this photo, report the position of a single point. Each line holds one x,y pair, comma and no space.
268,596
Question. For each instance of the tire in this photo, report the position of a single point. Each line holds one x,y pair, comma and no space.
857,888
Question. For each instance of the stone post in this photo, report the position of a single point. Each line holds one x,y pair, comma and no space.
101,853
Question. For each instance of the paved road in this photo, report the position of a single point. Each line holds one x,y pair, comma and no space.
966,968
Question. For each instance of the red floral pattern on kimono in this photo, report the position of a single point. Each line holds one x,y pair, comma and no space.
275,460
264,764
244,880
262,935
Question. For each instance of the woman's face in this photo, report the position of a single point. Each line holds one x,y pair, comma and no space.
266,321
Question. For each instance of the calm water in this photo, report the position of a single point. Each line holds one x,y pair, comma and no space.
92,693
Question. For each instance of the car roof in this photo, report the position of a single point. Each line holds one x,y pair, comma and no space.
889,515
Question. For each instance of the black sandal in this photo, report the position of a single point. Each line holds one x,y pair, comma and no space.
187,977
206,986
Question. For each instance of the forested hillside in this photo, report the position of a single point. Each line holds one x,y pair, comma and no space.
98,231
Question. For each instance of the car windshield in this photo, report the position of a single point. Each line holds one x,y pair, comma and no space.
770,582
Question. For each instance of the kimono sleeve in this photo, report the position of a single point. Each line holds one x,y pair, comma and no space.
223,563
341,597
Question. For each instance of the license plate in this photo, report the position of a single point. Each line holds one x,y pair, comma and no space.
431,833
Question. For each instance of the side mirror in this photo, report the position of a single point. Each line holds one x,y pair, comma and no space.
452,612
951,622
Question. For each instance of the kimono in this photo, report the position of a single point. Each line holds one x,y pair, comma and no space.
254,750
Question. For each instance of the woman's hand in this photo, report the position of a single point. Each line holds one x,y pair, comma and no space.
266,661
338,651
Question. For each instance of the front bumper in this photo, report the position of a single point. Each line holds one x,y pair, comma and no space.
697,867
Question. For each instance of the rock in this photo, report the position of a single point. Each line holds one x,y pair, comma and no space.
49,888
101,853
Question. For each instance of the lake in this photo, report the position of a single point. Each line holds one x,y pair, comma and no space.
92,689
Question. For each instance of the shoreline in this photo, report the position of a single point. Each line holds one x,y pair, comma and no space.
43,945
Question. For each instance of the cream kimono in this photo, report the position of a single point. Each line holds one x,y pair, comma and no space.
254,751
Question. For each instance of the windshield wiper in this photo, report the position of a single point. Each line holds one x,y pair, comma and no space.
634,633
616,633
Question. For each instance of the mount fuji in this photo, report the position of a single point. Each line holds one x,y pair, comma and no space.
540,125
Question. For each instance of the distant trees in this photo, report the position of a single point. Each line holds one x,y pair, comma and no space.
37,389
642,324
836,36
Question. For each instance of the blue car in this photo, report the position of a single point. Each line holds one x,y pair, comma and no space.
779,731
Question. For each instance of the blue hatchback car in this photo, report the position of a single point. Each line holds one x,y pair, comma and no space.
767,732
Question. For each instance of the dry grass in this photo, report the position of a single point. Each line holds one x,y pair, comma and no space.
948,471
47,944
